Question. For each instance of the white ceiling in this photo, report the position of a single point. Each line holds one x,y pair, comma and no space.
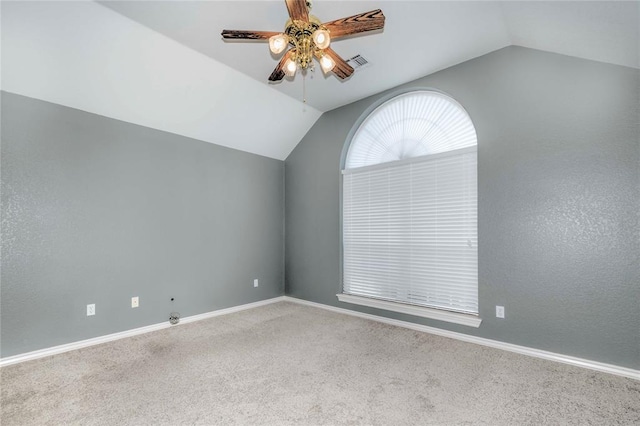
163,64
85,56
420,37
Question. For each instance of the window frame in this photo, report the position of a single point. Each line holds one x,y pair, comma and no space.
466,319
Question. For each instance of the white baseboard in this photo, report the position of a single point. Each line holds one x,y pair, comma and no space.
41,353
537,353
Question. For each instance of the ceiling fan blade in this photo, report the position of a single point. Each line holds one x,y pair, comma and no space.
247,35
367,21
298,10
342,69
278,73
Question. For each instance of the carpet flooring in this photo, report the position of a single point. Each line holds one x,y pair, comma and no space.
289,364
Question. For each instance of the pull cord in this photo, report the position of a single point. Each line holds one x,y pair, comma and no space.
304,88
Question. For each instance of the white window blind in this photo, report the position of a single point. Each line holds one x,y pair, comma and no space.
410,125
410,231
410,205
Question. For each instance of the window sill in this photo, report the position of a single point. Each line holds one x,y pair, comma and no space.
419,311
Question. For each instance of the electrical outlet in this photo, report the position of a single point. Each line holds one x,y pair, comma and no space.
135,302
255,282
499,311
91,309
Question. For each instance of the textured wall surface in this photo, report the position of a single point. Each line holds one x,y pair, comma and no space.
96,210
559,202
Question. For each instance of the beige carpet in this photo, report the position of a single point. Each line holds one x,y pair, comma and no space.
287,364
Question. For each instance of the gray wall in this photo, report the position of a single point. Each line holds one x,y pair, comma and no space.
559,191
96,210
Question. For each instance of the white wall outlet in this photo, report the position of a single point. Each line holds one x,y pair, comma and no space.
255,282
135,302
499,311
91,309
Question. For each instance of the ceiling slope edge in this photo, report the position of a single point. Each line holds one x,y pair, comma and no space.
86,56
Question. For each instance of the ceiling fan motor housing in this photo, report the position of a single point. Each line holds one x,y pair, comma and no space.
300,35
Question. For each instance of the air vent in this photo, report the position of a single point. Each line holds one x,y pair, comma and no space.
358,62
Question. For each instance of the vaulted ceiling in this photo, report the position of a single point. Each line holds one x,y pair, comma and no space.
164,65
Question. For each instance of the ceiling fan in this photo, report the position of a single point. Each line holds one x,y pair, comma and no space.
308,37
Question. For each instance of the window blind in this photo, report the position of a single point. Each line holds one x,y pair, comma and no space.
411,125
410,231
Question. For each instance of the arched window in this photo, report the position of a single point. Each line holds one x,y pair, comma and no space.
409,215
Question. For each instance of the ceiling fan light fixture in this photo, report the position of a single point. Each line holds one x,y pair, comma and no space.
278,43
306,37
327,64
321,38
290,67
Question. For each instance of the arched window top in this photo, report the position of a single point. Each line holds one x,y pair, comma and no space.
410,125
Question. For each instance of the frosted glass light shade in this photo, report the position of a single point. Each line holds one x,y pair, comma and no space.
321,39
290,67
411,125
278,43
327,64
